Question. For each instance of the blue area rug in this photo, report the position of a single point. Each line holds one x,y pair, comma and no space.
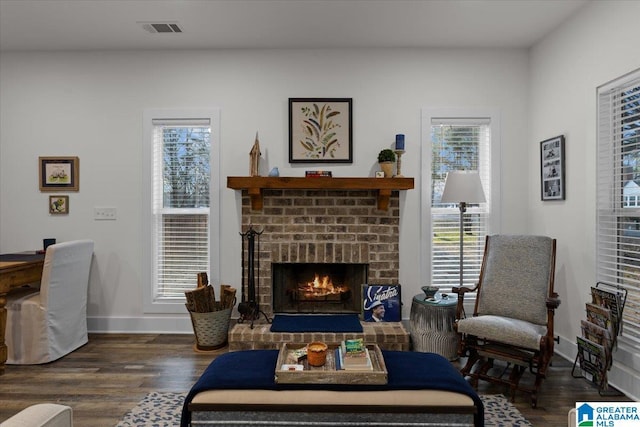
316,323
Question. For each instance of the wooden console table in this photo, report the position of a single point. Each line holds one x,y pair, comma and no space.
255,184
15,270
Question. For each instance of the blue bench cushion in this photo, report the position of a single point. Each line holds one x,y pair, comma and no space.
255,370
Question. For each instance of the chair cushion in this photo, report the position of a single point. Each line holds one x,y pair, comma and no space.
516,277
504,329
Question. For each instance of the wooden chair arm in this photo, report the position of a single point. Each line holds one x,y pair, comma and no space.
461,290
553,302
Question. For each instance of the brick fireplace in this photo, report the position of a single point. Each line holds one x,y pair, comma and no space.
323,226
318,226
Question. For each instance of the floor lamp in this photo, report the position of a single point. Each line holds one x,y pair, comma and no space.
462,187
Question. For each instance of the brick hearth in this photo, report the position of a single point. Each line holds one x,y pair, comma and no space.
389,336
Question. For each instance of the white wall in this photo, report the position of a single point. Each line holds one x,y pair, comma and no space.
596,46
90,105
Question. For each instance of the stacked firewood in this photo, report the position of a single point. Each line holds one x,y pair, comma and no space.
202,299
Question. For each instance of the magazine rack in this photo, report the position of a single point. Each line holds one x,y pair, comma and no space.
599,334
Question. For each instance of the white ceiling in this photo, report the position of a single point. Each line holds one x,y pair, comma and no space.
29,25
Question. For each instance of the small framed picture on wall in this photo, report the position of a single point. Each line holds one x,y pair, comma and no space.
58,205
552,174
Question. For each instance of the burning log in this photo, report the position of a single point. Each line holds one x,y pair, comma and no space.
321,289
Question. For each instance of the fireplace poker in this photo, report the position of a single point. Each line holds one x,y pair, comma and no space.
249,309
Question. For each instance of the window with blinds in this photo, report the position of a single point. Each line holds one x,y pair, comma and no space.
458,144
180,200
618,190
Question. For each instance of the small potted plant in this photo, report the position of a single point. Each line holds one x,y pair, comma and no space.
387,158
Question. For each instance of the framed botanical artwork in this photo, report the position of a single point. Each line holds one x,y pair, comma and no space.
552,185
58,205
381,303
59,173
320,130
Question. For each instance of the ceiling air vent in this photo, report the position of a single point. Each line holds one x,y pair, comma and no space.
161,27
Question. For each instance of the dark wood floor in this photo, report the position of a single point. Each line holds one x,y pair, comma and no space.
109,375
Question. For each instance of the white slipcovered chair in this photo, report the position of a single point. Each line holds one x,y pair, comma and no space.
42,415
44,325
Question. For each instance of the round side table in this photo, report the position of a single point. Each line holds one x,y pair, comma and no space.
431,326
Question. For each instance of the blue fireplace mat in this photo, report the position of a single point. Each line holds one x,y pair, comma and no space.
316,323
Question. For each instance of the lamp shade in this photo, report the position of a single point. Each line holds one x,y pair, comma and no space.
463,186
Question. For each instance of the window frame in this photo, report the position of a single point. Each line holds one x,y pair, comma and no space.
494,186
610,204
165,305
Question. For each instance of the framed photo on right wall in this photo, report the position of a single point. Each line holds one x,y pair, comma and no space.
552,185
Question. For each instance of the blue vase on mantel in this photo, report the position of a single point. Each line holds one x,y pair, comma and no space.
274,172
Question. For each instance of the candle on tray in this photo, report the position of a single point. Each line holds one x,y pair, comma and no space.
400,142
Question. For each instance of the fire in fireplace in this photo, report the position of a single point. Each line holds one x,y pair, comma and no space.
320,289
317,288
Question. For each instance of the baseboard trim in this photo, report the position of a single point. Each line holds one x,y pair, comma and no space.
141,325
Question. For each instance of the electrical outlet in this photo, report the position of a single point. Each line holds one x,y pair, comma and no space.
104,214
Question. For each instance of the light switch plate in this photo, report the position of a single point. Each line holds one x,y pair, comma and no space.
104,213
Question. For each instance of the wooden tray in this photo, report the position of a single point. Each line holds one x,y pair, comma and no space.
328,374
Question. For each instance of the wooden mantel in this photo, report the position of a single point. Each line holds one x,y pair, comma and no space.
255,184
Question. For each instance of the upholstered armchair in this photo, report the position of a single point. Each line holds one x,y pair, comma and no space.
47,323
513,315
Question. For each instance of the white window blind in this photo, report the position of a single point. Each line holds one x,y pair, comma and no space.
180,213
458,144
618,188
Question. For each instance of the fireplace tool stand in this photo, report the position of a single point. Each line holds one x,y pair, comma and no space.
249,307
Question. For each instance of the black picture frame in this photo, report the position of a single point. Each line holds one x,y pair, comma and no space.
320,130
389,295
552,169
